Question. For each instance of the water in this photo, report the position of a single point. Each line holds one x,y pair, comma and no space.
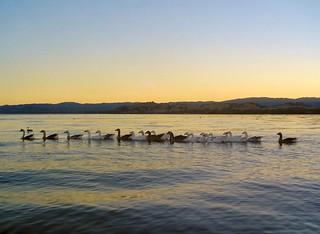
136,187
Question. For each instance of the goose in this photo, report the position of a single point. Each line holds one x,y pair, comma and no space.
74,137
141,137
250,139
202,138
126,137
179,138
156,138
162,135
231,138
216,139
50,137
106,136
191,137
97,137
288,140
28,137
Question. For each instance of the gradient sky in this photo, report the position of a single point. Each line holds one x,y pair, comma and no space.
165,50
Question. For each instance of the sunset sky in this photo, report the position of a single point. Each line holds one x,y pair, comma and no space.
166,50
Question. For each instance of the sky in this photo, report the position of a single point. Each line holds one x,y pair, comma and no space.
162,50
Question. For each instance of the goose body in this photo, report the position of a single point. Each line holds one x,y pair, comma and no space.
96,137
231,138
179,138
288,140
216,139
250,139
154,137
26,137
50,137
191,138
74,137
163,136
202,138
141,137
126,137
106,136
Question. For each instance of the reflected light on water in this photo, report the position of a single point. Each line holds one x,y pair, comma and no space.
208,187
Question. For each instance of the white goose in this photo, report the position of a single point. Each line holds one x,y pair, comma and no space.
96,137
191,137
141,137
216,139
29,130
202,138
231,138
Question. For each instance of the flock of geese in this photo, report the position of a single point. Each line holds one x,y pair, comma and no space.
151,136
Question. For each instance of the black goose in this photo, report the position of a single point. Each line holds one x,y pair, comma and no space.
254,139
74,137
162,135
28,137
288,140
179,138
153,137
126,137
106,136
50,137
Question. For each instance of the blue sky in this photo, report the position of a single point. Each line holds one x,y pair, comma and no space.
107,51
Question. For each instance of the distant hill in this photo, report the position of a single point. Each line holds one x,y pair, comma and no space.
187,108
269,102
61,108
236,106
216,108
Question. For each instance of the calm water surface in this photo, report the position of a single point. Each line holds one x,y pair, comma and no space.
135,187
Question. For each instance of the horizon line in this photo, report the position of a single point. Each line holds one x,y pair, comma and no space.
117,102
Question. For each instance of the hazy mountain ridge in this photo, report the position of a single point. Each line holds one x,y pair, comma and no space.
60,108
252,105
269,102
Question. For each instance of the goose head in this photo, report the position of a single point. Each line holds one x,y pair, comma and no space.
170,133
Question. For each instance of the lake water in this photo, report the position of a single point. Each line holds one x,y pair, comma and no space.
135,187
